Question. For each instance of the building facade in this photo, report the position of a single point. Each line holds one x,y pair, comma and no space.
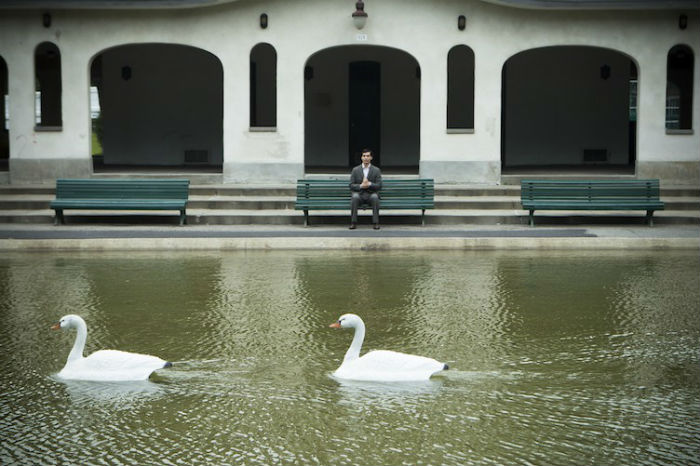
269,91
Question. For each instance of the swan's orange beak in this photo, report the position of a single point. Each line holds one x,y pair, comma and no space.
56,326
335,325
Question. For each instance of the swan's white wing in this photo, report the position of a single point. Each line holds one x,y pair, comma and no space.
389,366
112,365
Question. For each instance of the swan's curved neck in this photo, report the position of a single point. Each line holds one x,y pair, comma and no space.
79,345
356,345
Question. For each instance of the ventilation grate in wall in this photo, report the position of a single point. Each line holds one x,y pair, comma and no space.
595,155
196,156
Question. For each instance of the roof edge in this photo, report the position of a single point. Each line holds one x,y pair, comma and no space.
180,4
599,4
108,4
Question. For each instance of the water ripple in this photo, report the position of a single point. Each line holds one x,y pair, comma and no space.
555,358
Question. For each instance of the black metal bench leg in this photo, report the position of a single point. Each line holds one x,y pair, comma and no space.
422,218
650,221
306,218
532,218
58,219
183,218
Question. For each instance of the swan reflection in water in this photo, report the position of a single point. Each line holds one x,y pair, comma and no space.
112,395
353,392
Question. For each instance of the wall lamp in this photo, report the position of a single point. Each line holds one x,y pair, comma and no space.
461,22
359,17
683,21
46,20
263,21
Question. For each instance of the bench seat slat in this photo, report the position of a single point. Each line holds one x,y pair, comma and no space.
119,204
592,206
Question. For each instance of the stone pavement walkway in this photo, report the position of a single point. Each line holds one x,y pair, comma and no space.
124,237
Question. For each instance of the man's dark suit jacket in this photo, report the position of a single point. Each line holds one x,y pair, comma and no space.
374,176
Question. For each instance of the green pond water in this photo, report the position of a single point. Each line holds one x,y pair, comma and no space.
555,358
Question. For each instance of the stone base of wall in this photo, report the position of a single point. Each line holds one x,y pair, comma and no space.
462,172
674,173
251,173
45,171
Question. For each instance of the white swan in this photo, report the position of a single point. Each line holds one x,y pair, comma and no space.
381,366
103,365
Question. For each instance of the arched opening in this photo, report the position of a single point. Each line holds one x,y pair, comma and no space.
5,128
569,109
263,86
679,88
360,96
460,88
159,106
47,74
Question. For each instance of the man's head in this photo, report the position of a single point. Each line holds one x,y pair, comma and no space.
366,156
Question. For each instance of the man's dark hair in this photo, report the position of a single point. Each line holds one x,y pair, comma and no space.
367,150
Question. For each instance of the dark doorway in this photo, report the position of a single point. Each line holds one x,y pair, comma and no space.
160,107
358,96
364,110
569,109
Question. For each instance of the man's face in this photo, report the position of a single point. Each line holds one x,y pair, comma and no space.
366,158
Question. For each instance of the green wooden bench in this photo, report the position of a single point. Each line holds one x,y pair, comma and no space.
590,195
414,194
120,194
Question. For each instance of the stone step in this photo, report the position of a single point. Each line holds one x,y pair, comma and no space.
290,190
33,201
514,190
274,205
561,174
202,190
200,178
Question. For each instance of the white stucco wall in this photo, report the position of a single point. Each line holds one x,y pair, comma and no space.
425,30
18,40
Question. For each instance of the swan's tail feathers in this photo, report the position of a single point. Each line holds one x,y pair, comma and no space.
445,367
167,364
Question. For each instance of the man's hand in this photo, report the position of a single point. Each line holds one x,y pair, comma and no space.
365,183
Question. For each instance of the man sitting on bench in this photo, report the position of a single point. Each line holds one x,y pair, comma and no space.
365,184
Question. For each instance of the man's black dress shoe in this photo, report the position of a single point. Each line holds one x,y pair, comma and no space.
376,226
353,226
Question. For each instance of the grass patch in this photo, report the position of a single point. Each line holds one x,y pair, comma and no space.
96,146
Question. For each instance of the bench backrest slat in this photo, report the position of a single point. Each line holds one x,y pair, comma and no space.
122,189
600,190
391,189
